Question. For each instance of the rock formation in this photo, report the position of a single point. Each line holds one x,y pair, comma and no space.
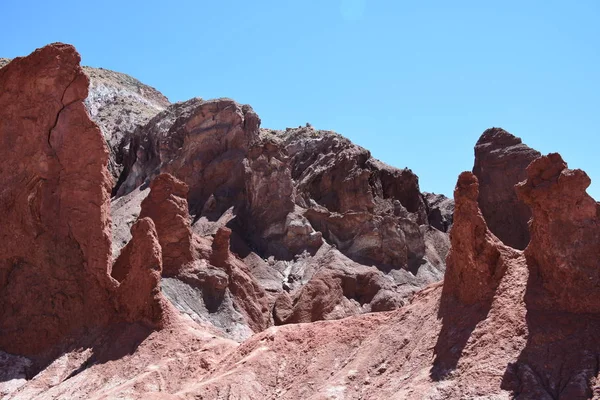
55,251
302,208
477,260
202,143
563,253
284,195
119,103
500,163
138,270
202,271
55,240
167,206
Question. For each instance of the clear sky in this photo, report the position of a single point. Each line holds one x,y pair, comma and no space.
416,82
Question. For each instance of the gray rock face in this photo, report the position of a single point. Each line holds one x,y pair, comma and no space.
440,211
501,160
316,220
202,143
119,103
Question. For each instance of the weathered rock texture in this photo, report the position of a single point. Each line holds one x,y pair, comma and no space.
505,324
138,271
55,235
119,104
564,250
286,195
477,260
202,143
440,211
206,281
500,163
167,206
462,340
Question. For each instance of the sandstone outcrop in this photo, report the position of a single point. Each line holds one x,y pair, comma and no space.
370,211
55,239
273,223
338,288
564,250
55,251
205,281
505,323
500,163
477,259
118,104
167,206
138,270
285,195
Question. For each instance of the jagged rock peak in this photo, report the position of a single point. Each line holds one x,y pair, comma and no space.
500,163
139,269
498,137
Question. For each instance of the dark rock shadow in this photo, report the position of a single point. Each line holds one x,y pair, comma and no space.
561,359
108,344
458,322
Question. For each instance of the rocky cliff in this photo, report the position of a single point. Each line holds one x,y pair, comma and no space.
55,258
326,229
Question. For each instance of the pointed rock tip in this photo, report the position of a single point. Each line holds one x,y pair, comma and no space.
499,137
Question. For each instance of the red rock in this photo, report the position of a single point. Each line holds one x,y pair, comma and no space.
440,211
505,323
208,136
563,254
138,269
500,163
337,289
55,248
185,255
477,259
55,232
249,296
272,223
167,206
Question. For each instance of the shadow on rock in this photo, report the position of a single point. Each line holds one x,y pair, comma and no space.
458,322
561,359
100,347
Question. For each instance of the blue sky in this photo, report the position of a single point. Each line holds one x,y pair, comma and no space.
415,82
